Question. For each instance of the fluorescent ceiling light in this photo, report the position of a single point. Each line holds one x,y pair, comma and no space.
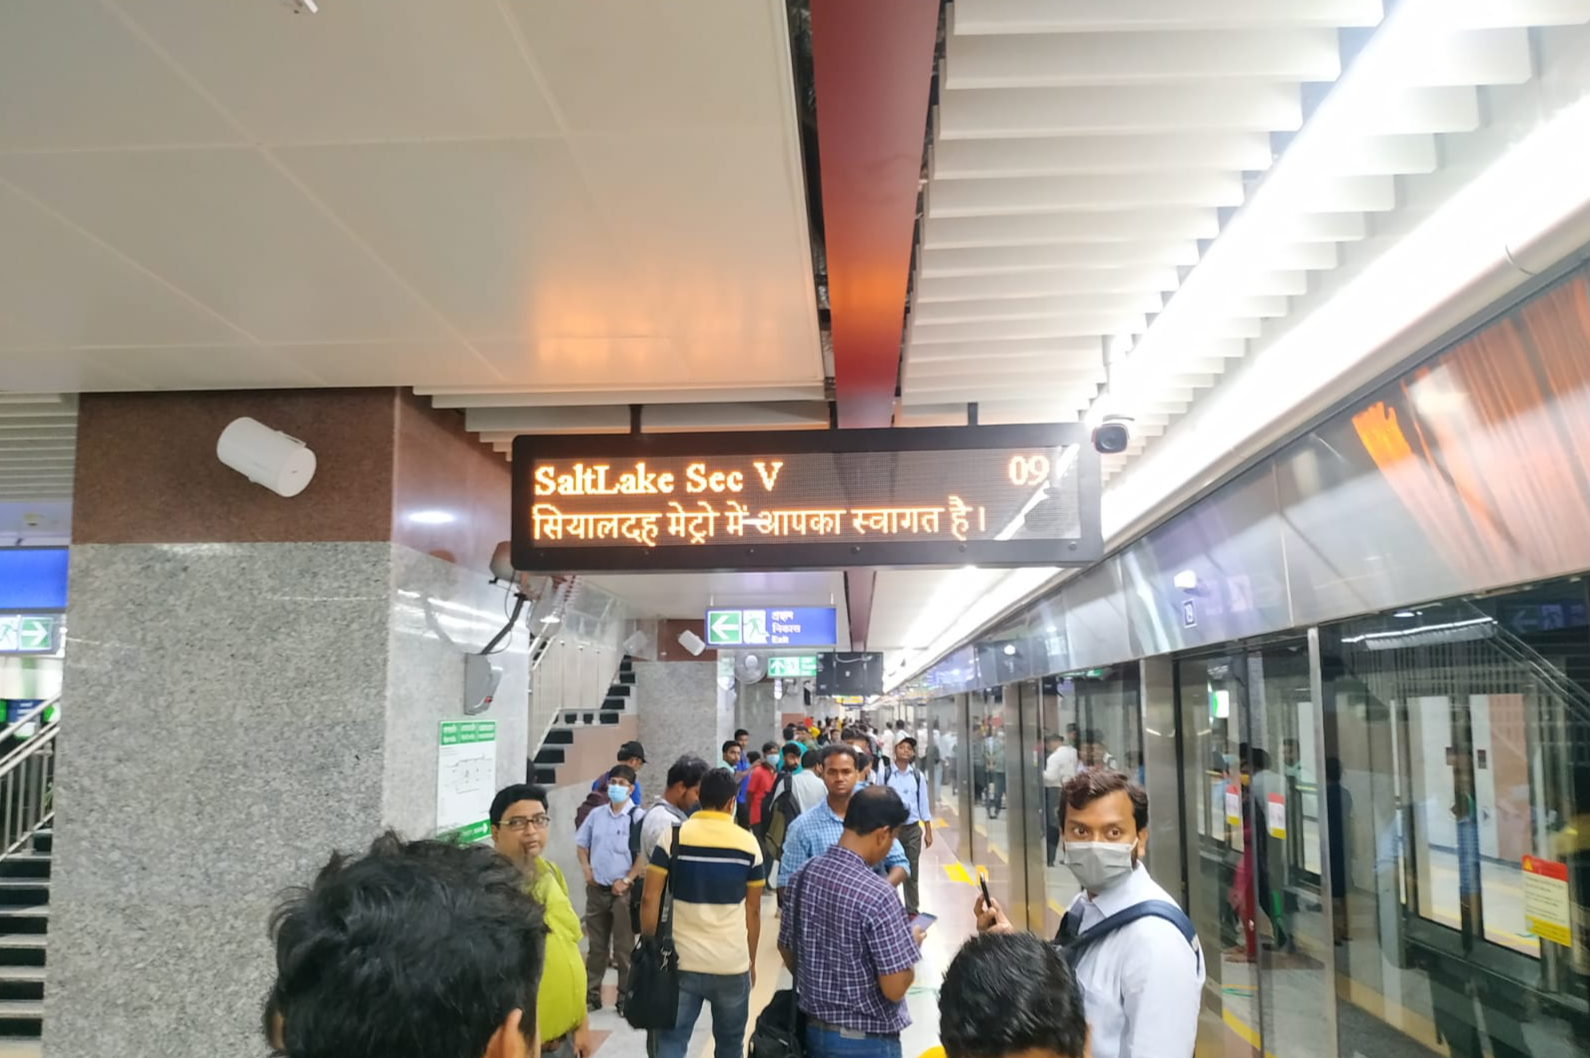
1518,218
432,518
1394,61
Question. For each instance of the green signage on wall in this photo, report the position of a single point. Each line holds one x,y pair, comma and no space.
793,666
29,633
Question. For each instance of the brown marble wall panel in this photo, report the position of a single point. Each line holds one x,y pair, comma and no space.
442,468
147,470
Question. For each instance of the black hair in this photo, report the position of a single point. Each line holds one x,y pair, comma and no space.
511,795
1053,736
730,744
789,732
742,731
840,749
752,756
687,770
414,950
1082,790
796,748
852,734
769,748
621,771
1006,993
811,759
874,807
718,788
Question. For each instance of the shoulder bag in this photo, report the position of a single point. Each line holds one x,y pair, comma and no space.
652,1001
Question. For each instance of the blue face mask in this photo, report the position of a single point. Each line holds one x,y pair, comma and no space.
617,793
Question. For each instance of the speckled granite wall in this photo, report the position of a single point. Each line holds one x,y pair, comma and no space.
235,712
677,702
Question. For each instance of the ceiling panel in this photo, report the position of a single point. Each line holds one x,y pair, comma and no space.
73,290
687,595
74,76
360,70
616,65
184,215
500,236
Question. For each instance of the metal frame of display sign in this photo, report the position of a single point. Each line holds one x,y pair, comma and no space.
670,501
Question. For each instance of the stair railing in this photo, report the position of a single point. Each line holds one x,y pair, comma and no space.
27,775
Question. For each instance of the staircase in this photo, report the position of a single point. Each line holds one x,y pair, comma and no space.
558,748
24,923
27,810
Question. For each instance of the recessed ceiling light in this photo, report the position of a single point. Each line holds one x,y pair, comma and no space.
1406,614
551,619
433,517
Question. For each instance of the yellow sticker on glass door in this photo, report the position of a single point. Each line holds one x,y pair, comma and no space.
1546,904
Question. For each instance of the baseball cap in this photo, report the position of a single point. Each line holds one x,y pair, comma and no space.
632,749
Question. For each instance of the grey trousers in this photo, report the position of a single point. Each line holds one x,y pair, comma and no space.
911,842
606,929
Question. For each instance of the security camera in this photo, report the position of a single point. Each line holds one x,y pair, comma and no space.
1112,435
692,642
266,457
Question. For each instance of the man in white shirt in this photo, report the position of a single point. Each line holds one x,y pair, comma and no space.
1060,764
1142,974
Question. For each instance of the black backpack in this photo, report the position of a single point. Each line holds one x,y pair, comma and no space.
778,812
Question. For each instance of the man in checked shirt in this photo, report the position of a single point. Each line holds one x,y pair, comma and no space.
847,939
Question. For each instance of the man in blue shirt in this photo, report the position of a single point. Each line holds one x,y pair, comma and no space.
852,984
611,867
820,827
903,778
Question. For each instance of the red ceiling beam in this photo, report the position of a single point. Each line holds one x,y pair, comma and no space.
872,63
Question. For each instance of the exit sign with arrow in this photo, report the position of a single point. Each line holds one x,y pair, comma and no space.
29,633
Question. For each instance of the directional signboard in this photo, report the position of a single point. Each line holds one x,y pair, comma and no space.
29,633
792,667
800,626
807,499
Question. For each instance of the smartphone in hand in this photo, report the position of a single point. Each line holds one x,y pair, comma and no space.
922,920
982,883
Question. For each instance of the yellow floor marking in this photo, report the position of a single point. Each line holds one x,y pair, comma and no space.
1243,1030
940,823
956,872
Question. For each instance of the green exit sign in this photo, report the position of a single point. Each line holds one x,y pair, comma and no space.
792,667
29,633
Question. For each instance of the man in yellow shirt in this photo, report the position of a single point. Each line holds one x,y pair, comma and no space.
519,825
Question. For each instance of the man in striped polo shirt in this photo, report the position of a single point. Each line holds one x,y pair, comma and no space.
717,917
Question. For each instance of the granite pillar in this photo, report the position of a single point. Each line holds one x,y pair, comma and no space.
678,714
253,682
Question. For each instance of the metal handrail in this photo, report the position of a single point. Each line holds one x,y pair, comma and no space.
27,780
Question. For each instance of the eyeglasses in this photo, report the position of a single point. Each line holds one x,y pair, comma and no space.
518,823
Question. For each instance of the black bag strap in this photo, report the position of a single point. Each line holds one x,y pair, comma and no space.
795,968
1073,944
665,910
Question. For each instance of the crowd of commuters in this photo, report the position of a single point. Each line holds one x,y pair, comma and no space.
442,951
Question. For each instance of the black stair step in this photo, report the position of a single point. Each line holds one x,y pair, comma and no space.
25,865
588,718
22,950
44,841
619,704
550,755
21,892
32,919
571,718
609,718
619,690
626,679
560,736
21,1018
21,982
544,776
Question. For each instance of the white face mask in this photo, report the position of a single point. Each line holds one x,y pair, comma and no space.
1099,865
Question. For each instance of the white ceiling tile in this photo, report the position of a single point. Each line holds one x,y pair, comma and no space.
1044,282
58,283
359,70
688,595
399,362
73,76
1083,226
228,228
980,261
1099,16
1088,349
1037,308
1074,155
61,369
617,64
236,367
994,113
499,236
1062,194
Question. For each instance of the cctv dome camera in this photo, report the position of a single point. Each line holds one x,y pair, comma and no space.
1112,436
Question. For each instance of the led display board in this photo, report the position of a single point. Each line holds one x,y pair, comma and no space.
951,496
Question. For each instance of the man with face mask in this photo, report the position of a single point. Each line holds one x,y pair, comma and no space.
611,865
1134,951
